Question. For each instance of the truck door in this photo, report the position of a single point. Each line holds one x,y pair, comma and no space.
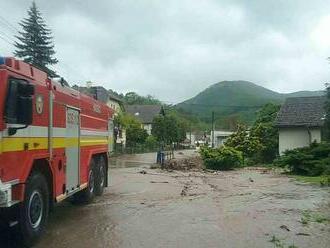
72,148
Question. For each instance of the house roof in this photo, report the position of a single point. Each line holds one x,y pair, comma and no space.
115,98
302,111
145,113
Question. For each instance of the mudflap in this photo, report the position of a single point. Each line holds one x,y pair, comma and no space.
9,216
8,227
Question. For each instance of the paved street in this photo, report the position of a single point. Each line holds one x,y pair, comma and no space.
245,208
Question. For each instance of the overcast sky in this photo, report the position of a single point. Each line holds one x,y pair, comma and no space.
173,49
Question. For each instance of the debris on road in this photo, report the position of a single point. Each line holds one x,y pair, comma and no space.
302,234
284,227
184,164
142,172
159,182
184,190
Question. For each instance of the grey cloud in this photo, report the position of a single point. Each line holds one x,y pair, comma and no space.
173,49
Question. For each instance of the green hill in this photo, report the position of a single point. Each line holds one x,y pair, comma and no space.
234,99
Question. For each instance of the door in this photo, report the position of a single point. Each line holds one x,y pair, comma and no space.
72,148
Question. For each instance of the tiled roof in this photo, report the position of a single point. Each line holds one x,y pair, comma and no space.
302,111
145,113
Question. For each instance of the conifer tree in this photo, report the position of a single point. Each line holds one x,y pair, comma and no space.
34,44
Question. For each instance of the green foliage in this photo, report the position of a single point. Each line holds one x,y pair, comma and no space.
35,45
312,161
193,123
224,158
242,141
266,133
233,98
260,143
169,129
323,180
133,98
135,134
308,216
151,142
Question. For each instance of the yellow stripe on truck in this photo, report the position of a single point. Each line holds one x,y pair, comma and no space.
11,144
92,141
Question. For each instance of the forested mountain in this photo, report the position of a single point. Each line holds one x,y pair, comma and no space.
234,100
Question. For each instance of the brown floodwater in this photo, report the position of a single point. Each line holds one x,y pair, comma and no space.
244,208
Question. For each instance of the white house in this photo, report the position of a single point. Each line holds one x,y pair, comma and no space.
300,122
219,137
144,113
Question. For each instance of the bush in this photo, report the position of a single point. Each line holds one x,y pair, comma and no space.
151,142
311,161
224,158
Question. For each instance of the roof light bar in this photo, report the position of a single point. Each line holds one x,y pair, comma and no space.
2,60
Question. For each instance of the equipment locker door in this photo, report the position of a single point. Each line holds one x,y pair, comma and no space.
72,148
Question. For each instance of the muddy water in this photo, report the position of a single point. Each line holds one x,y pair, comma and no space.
193,209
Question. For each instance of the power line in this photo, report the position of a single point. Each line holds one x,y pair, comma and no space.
7,36
8,24
12,29
5,39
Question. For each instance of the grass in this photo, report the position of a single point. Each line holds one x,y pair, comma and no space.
278,243
318,180
308,216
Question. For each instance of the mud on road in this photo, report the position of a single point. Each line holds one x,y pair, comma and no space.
155,208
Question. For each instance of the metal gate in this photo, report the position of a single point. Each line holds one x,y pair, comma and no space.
72,148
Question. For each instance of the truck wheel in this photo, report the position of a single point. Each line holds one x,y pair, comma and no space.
34,210
87,195
101,176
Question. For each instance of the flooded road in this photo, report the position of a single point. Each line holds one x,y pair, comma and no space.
245,208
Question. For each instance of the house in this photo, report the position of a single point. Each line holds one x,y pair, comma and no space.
117,105
145,114
114,102
194,138
300,122
218,137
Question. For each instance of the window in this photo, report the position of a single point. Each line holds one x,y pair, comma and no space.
18,107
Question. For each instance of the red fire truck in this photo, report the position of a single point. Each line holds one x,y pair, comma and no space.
54,144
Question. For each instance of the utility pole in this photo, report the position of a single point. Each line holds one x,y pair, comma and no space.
212,132
190,133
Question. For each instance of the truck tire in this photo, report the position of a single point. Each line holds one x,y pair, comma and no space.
87,195
34,210
101,176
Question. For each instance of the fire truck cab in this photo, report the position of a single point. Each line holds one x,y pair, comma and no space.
54,144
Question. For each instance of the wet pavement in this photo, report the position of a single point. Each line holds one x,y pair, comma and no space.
245,208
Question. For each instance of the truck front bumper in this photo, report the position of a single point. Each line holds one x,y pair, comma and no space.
6,199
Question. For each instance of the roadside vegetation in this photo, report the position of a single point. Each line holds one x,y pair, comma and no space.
224,158
257,145
167,130
308,164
